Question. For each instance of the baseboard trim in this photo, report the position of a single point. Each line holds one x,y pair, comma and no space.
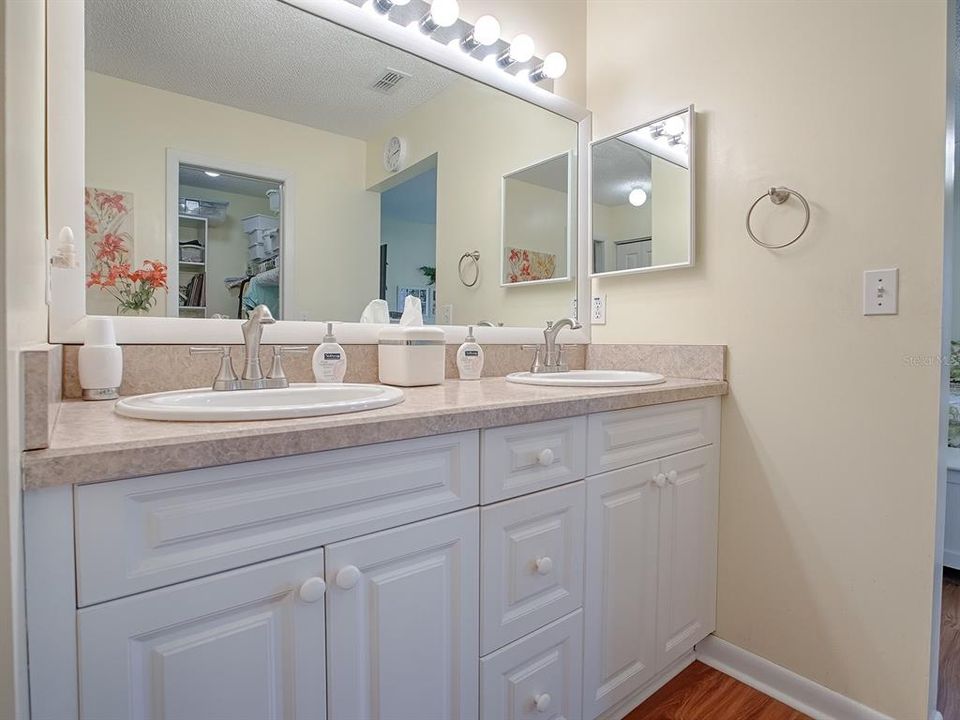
629,704
784,685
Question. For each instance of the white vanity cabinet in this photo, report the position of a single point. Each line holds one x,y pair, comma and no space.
558,570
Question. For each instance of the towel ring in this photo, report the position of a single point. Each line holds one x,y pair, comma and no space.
778,196
475,256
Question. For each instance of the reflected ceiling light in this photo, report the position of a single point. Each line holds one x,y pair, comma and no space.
674,125
521,49
211,173
443,13
553,66
637,197
485,32
385,6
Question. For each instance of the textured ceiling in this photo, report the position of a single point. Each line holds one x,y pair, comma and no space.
237,184
618,168
258,55
553,174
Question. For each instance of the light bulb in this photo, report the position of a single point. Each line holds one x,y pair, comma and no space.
487,30
521,48
444,13
637,197
554,65
674,125
211,173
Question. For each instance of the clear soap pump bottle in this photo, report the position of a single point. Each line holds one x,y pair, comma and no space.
470,358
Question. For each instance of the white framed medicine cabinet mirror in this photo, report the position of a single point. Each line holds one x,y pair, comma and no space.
309,155
642,187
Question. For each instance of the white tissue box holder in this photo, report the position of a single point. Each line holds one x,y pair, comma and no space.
412,356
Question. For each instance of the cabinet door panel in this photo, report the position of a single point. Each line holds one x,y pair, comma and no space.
403,638
688,553
621,585
238,645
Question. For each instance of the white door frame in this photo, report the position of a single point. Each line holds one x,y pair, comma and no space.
284,178
950,228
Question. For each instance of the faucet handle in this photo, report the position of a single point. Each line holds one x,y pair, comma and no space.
537,365
226,376
276,367
561,360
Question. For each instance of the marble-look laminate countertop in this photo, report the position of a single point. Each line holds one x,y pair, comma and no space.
91,443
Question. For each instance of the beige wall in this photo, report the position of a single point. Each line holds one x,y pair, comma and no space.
536,218
130,126
671,212
22,306
829,449
507,135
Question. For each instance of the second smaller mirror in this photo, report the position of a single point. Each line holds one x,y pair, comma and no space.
642,182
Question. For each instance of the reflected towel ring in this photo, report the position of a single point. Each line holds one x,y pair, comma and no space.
475,256
778,196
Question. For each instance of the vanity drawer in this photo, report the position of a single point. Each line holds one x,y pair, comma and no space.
536,677
521,459
621,438
531,563
143,533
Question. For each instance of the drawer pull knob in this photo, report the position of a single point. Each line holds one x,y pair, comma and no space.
544,565
545,457
672,476
347,577
542,702
312,589
660,480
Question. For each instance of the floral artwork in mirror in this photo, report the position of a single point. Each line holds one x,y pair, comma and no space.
642,195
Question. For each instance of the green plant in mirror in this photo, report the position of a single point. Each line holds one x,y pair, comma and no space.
430,273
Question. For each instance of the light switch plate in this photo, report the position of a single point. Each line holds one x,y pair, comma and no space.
881,292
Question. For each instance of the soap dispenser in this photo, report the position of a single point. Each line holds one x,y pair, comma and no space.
470,358
329,360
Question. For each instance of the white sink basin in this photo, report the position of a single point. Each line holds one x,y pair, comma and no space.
587,378
296,401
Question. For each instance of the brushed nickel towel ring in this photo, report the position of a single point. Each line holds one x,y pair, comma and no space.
778,196
475,256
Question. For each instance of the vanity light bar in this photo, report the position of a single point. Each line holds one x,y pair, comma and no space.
440,15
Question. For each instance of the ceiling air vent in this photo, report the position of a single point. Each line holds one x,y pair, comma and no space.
388,81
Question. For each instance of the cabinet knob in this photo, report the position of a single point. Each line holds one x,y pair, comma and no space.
348,576
312,589
544,565
672,476
542,702
545,457
660,480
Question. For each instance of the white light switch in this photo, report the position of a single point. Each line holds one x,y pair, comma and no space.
881,291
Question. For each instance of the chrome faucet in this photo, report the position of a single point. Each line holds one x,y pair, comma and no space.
551,360
253,378
252,332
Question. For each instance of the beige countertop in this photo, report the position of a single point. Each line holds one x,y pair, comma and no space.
91,443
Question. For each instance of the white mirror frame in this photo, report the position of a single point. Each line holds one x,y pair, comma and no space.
571,223
66,180
692,155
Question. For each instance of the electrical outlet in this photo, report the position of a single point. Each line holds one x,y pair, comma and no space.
445,315
598,310
574,308
881,292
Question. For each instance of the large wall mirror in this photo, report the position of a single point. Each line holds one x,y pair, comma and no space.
642,186
249,152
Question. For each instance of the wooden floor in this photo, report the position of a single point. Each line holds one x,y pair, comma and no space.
948,694
702,693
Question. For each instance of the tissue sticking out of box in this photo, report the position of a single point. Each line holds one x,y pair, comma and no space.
412,312
377,311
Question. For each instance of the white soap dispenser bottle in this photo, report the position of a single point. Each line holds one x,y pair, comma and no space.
329,360
470,358
100,360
